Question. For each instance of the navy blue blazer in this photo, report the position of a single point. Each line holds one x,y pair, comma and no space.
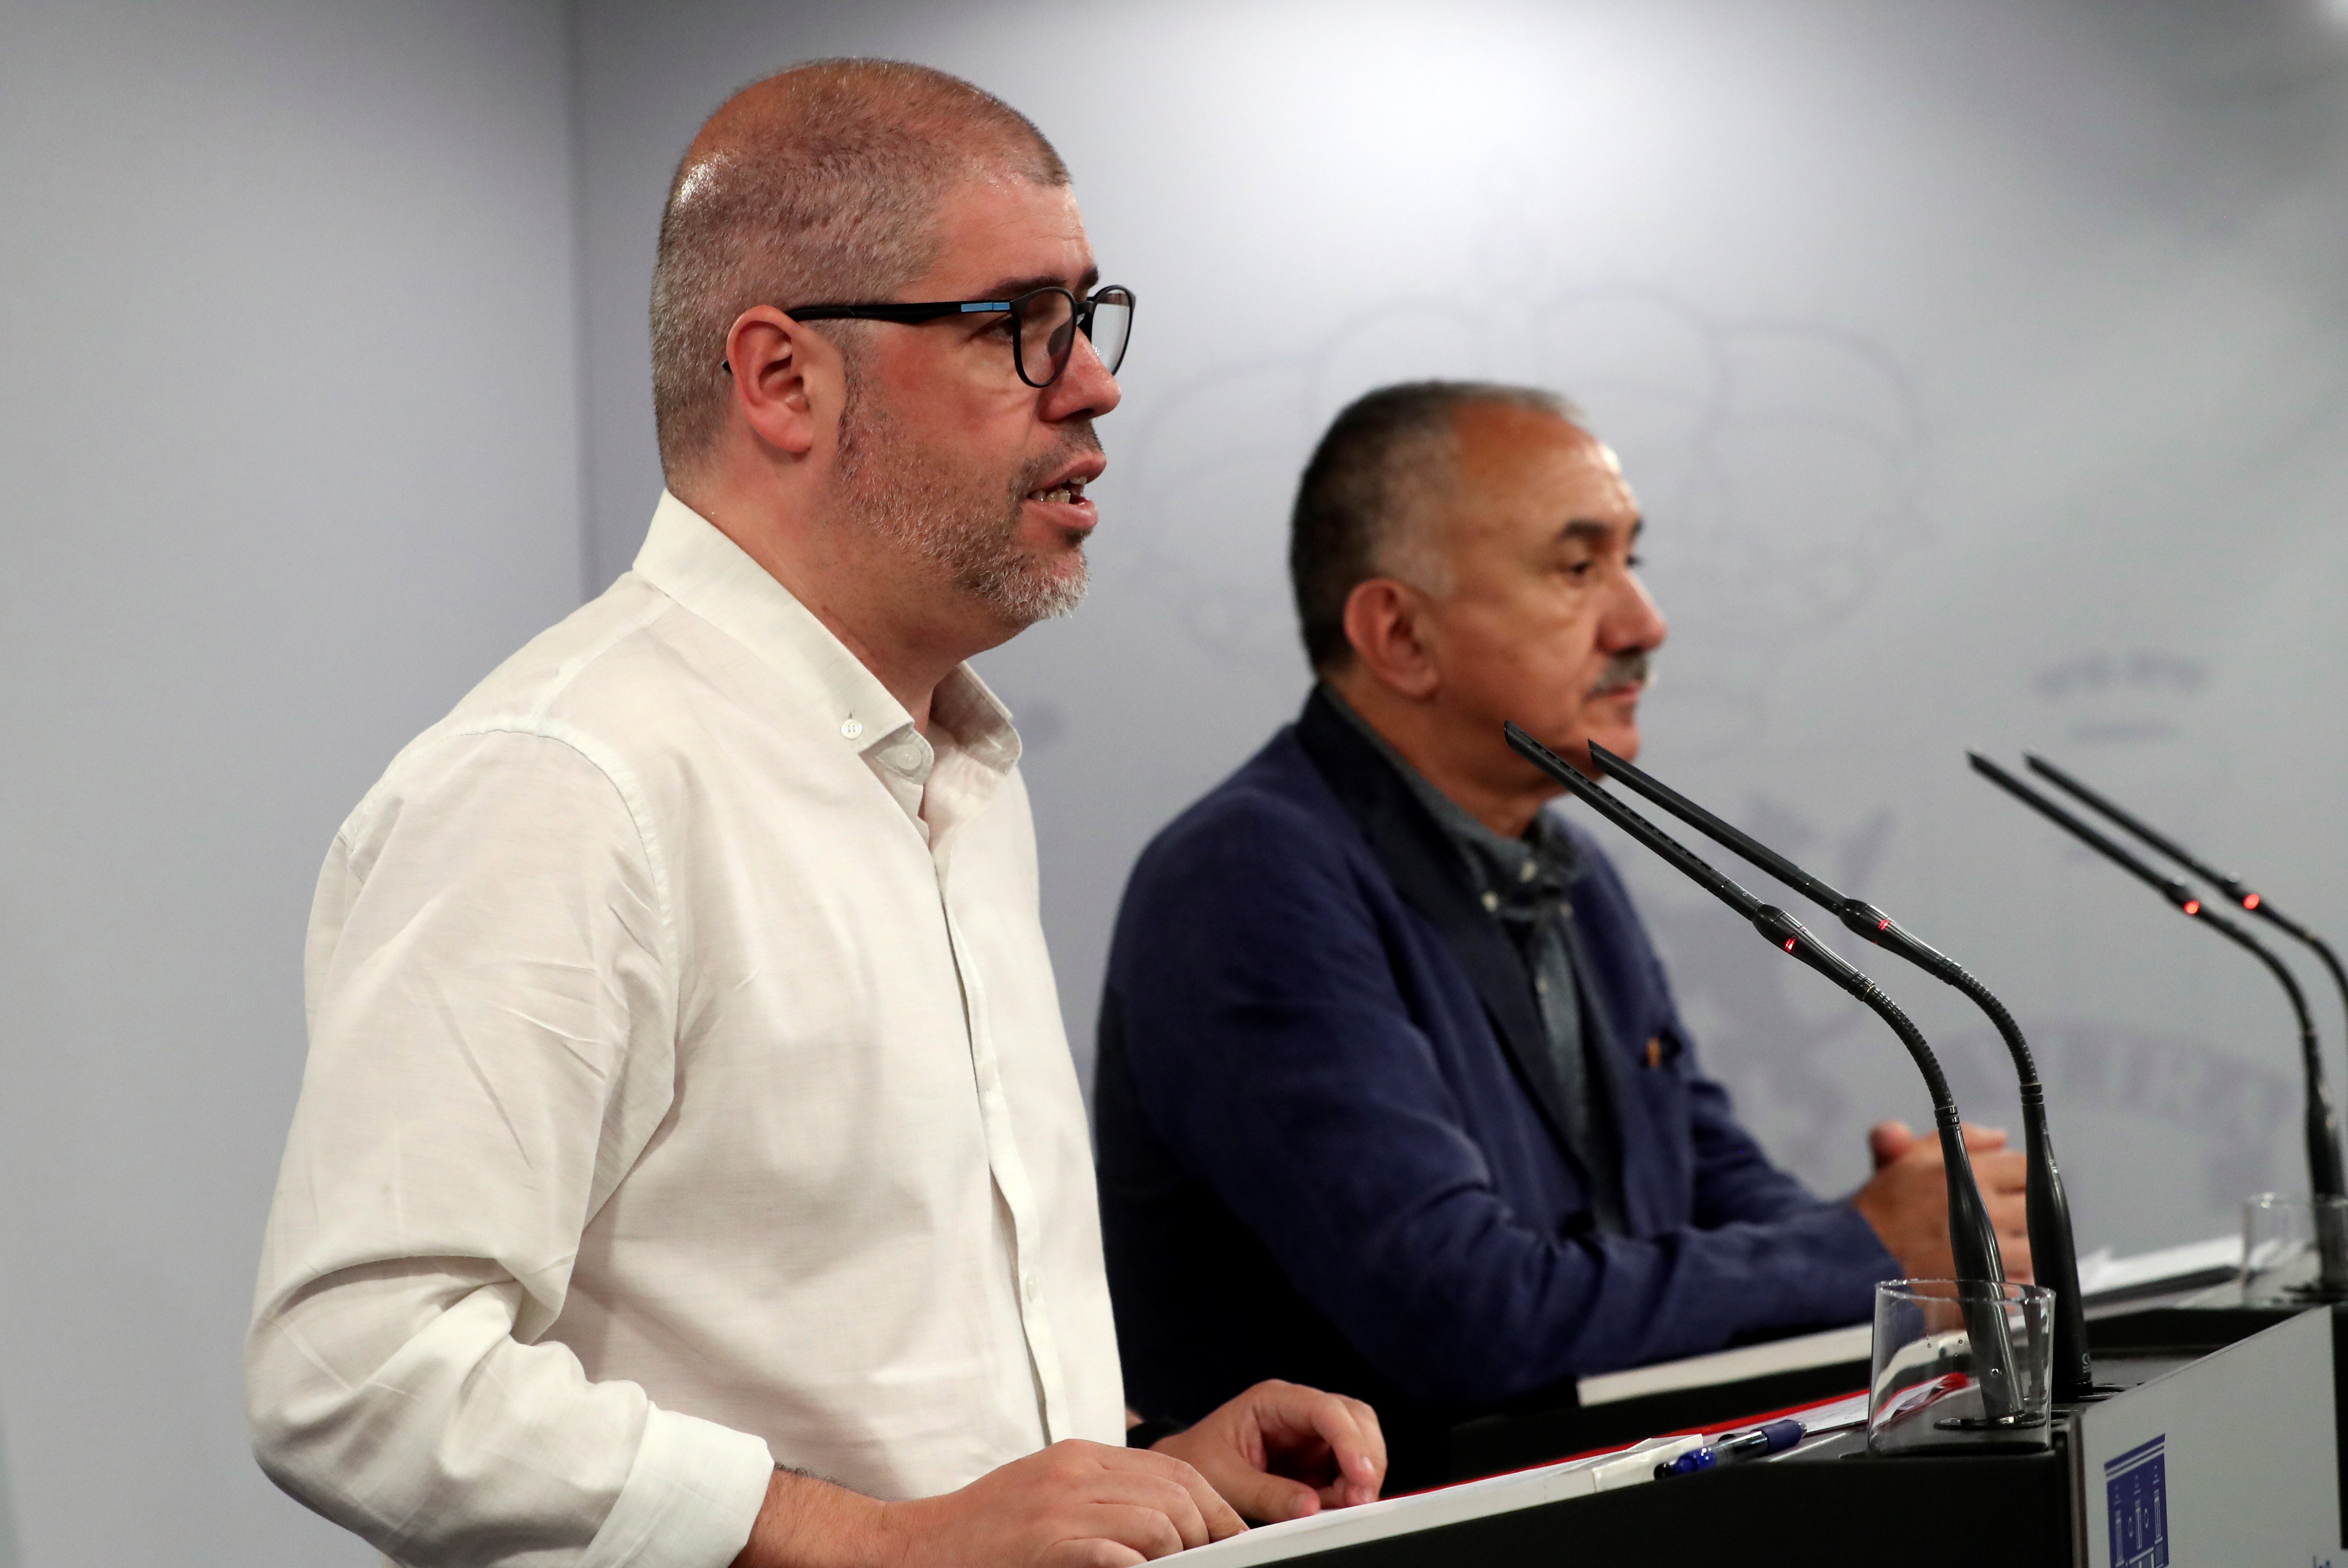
1322,1156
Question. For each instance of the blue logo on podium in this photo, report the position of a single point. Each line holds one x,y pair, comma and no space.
2135,1497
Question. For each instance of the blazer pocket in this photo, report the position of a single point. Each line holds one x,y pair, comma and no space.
1658,1053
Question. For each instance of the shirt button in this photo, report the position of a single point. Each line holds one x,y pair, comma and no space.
1525,872
1540,984
852,728
1492,902
1027,1288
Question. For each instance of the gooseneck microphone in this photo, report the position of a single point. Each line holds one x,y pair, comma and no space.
2323,1125
2052,1251
2232,887
1972,1241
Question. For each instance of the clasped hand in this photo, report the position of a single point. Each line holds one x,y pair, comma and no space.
1906,1202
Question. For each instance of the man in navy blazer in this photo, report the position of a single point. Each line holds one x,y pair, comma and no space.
1391,1096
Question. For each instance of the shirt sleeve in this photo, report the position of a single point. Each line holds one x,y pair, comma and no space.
492,1018
1274,1050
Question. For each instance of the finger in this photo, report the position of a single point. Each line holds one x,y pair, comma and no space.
1266,1498
2007,1170
1360,1452
1300,1422
1166,1487
1360,1448
1887,1140
1088,1552
1215,1518
1138,1526
1978,1137
1365,1486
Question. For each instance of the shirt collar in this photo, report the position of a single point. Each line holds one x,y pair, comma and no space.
692,561
1505,870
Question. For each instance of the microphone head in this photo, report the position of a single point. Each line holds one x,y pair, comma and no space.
1779,927
1794,939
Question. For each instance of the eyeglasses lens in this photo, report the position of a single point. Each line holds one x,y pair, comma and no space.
1112,326
1047,324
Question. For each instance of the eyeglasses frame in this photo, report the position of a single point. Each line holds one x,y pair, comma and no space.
932,310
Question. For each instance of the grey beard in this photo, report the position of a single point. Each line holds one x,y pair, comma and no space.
964,526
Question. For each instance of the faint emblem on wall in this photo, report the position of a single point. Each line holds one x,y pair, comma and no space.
1778,1039
2113,696
1778,464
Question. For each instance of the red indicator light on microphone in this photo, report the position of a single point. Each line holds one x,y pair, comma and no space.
2249,900
1789,944
1884,924
2192,906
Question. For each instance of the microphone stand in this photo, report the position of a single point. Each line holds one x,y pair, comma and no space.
2322,1124
2232,886
1972,1241
2053,1252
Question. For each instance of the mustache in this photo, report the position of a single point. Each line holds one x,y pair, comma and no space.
1079,441
1630,670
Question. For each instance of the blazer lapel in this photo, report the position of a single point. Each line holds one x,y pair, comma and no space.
1426,869
1602,1049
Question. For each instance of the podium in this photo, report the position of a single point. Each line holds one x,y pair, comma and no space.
2224,1445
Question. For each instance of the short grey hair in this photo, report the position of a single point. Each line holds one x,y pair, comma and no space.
1385,464
820,184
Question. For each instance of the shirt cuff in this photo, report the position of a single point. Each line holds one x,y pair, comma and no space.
690,1498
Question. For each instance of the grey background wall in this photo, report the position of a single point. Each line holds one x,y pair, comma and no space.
1983,367
289,454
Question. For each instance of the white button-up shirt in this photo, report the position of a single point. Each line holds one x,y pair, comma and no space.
686,1093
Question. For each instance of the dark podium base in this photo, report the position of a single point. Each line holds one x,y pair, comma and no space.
2011,1511
1830,1501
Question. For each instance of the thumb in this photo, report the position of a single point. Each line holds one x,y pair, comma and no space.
1887,1140
1268,1499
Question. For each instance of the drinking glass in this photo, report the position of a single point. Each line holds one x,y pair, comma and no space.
2294,1250
1938,1383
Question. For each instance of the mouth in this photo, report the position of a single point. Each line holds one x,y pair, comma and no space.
1067,492
1061,498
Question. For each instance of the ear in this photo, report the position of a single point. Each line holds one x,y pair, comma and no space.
789,382
1386,622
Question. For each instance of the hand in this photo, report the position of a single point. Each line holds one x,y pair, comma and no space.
1281,1451
1906,1202
1073,1505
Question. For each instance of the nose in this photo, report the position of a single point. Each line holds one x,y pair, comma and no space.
1632,621
1085,389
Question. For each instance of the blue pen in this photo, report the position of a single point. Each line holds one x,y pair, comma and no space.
1771,1437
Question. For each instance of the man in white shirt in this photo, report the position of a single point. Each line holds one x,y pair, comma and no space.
687,1096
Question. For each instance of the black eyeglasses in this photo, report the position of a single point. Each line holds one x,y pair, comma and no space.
1046,323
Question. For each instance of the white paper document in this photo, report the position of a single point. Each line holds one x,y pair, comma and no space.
2195,1262
1477,1499
1445,1505
1796,1355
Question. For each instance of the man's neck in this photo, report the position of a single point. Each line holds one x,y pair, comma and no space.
838,575
1444,748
